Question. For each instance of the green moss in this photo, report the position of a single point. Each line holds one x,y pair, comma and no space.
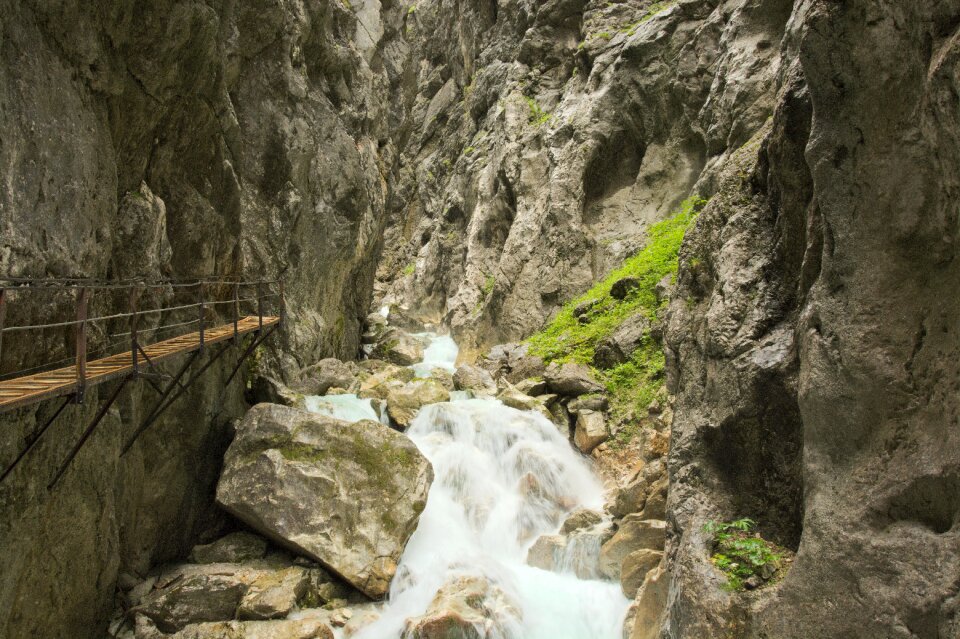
488,285
409,269
633,384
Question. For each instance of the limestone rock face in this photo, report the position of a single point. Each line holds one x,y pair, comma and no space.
346,495
634,534
326,374
634,569
475,379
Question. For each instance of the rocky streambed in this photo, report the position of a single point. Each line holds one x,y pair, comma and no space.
405,497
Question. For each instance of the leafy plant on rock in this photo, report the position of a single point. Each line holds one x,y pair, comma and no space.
742,555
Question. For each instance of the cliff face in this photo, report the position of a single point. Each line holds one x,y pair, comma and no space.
171,139
545,137
813,341
482,162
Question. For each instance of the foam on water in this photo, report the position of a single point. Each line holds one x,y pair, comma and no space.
349,408
441,352
502,478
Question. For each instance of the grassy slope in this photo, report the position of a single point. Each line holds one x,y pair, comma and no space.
634,384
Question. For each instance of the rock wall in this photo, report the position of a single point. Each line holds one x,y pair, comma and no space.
813,341
173,139
544,137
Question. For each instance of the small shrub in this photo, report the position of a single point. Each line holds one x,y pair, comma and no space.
740,553
409,269
488,285
538,116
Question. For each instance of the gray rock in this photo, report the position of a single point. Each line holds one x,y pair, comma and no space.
324,375
619,347
475,379
266,389
571,380
274,595
598,403
532,387
580,519
348,496
462,608
233,548
591,431
195,598
398,347
623,287
278,629
513,398
632,535
404,402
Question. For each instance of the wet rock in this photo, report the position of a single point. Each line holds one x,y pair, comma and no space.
620,346
513,398
580,519
591,431
634,534
274,595
623,287
443,377
571,380
655,505
346,495
547,551
233,548
513,362
474,379
404,402
265,389
467,608
386,377
398,347
634,569
324,375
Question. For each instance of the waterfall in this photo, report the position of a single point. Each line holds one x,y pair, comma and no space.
503,477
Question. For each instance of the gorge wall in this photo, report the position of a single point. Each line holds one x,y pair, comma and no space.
479,163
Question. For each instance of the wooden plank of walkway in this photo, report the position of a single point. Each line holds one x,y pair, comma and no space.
63,381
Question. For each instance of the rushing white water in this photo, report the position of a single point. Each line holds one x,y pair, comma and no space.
441,352
502,478
349,408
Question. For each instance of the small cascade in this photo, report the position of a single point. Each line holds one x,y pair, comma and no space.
349,408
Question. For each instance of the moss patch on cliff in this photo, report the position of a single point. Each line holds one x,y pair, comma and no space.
584,322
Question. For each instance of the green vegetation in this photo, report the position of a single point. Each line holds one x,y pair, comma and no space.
488,285
538,116
569,338
740,553
412,10
655,8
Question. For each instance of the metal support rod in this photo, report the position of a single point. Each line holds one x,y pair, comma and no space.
35,437
81,335
259,339
260,304
166,392
134,320
86,434
201,317
236,313
164,405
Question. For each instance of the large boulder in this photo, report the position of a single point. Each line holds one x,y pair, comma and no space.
274,595
324,375
634,569
345,494
571,380
279,629
404,402
466,608
385,377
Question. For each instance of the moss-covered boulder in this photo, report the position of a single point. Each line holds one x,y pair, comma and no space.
345,494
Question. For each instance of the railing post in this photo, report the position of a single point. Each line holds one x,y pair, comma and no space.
236,312
260,303
134,322
81,334
283,304
3,317
201,317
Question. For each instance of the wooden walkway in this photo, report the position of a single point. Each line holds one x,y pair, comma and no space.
63,381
